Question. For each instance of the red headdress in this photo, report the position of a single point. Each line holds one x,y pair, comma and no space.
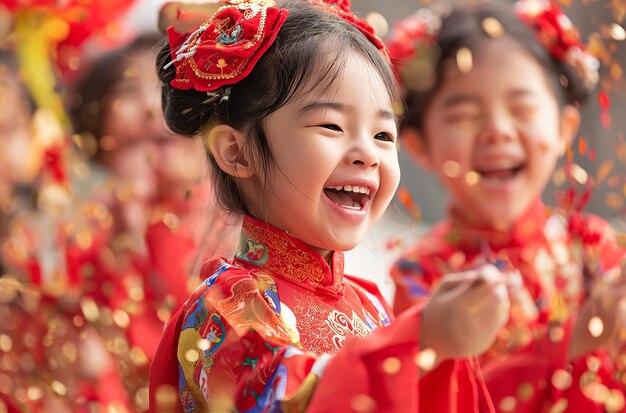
224,49
557,34
553,28
342,9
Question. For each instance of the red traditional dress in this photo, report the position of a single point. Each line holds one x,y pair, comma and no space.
552,262
251,333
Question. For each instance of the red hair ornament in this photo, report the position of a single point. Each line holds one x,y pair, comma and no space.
224,49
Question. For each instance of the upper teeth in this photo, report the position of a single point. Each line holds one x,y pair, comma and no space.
497,166
353,188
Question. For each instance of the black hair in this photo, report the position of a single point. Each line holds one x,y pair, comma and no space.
310,49
463,28
93,88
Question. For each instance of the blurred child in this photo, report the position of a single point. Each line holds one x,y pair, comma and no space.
493,92
53,356
296,105
156,184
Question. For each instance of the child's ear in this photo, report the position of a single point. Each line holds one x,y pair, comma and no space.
570,122
228,147
415,144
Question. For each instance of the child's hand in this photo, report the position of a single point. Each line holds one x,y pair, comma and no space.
601,322
465,313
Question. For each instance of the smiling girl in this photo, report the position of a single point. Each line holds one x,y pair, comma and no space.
493,92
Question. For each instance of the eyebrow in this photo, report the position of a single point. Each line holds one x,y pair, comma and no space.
341,107
459,99
520,93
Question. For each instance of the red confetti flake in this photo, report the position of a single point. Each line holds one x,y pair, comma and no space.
405,198
605,109
582,145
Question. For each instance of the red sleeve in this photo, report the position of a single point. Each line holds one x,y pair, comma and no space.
163,382
227,348
379,373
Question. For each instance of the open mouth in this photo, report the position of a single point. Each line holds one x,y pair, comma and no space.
349,196
500,172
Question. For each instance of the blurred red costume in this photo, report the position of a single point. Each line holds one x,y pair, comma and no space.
553,262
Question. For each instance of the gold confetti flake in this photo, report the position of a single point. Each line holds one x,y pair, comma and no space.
131,72
464,60
617,32
525,391
192,355
34,393
363,403
59,388
90,309
141,398
562,380
559,407
508,404
616,71
138,357
492,27
559,177
425,359
84,239
171,220
604,170
166,397
69,352
593,364
116,407
595,391
204,344
380,24
615,401
163,314
451,169
579,174
392,365
596,326
136,293
556,334
6,344
121,318
472,178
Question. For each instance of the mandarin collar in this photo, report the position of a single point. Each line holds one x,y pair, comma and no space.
269,248
527,230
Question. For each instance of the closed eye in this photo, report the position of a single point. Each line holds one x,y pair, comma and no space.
331,126
385,136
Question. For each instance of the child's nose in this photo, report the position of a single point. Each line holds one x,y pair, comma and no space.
364,153
498,127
